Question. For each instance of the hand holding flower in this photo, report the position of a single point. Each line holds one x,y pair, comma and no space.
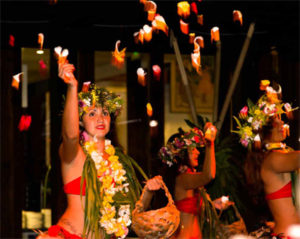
65,72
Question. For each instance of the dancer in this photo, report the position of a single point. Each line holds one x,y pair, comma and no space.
270,162
99,179
181,158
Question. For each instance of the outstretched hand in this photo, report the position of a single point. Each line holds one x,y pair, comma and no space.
210,132
154,183
65,72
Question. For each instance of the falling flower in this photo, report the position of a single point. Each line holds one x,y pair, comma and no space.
200,19
141,76
150,7
194,8
149,109
24,123
237,16
215,34
118,57
159,24
147,33
156,72
184,27
16,80
183,9
11,40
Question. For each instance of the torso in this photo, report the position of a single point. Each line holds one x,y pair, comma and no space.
73,218
282,209
189,226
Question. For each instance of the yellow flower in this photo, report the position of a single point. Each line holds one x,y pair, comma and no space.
116,166
120,231
110,149
264,84
107,181
90,146
113,158
257,112
248,130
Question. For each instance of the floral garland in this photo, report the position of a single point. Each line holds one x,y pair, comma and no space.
169,153
115,219
91,95
254,116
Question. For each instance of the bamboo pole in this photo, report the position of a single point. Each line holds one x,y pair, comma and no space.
184,77
217,80
236,75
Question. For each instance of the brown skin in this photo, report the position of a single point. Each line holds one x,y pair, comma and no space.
186,185
275,173
96,123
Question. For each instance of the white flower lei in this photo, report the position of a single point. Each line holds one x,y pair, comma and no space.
111,174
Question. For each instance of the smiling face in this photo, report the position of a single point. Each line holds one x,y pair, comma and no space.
96,122
278,132
193,156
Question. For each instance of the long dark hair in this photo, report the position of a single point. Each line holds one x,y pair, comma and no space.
253,163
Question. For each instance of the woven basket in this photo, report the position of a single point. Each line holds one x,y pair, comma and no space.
160,223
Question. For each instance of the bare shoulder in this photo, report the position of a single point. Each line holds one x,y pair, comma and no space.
282,161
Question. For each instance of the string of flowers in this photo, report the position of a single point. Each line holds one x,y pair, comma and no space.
115,219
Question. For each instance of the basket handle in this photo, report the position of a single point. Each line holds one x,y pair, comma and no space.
164,187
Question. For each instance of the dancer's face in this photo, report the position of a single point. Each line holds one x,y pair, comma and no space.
193,156
96,122
278,133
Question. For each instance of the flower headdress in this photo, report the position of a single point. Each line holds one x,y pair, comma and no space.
91,95
254,116
173,150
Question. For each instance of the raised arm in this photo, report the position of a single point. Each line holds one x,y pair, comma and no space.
195,180
282,162
70,119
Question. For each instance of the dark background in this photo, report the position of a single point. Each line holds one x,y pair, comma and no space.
87,26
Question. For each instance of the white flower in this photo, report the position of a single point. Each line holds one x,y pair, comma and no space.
256,125
87,102
250,119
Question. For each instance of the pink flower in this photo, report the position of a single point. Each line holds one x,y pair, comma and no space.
244,112
244,142
287,107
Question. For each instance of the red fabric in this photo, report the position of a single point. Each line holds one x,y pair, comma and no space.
73,187
57,230
189,204
284,192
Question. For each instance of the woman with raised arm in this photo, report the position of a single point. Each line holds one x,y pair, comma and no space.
99,179
270,163
181,158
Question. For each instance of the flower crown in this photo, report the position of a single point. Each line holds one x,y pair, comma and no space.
174,150
254,116
91,95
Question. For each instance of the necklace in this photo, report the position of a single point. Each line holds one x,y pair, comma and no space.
113,218
270,146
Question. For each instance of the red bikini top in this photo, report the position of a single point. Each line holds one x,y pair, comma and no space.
189,204
284,192
73,187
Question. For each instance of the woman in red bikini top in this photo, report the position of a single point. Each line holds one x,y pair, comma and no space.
88,153
180,157
269,163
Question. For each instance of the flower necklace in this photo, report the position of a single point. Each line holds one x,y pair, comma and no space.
270,146
111,174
